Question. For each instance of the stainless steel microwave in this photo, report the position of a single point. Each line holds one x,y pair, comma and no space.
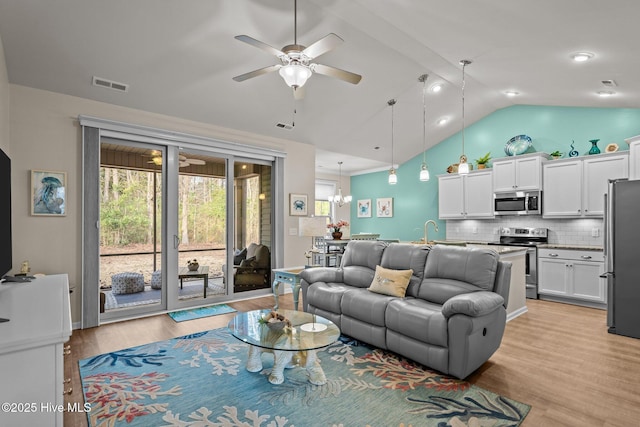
518,203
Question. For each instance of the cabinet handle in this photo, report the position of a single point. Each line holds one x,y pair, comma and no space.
66,352
66,381
579,210
553,255
67,347
68,391
585,257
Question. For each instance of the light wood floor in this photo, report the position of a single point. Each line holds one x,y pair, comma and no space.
558,358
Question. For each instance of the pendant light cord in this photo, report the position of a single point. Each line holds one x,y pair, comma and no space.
392,102
423,79
464,63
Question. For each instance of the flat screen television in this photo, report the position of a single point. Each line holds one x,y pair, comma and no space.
5,218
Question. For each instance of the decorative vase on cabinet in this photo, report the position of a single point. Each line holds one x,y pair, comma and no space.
594,146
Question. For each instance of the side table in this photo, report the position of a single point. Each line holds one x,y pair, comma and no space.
289,276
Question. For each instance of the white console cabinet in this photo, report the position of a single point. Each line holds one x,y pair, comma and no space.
31,350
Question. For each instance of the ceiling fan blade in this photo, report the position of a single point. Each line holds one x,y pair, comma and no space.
196,161
322,46
346,76
256,73
298,93
260,45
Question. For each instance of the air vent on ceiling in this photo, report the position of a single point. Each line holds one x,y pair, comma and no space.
609,83
110,84
284,126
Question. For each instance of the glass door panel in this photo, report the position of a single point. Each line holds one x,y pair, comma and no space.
131,184
201,228
252,237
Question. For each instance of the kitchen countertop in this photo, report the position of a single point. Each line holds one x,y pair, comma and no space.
570,247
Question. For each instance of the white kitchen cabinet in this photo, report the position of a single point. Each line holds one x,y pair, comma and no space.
575,188
571,275
518,174
634,157
465,196
31,350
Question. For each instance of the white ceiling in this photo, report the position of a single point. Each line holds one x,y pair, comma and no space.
179,58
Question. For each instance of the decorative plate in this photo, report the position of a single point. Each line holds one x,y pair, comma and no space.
517,145
611,148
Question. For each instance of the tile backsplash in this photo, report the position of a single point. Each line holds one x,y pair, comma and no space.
561,231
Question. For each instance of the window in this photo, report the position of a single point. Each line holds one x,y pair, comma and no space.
323,207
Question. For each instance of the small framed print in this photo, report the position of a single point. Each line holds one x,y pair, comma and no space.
298,205
384,207
364,208
48,193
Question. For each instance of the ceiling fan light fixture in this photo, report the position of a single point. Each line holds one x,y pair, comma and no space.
582,56
295,75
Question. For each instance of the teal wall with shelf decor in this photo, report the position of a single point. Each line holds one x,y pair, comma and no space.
551,128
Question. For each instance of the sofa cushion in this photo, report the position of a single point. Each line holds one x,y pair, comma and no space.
248,263
404,256
418,319
239,255
359,261
390,282
365,306
452,270
327,296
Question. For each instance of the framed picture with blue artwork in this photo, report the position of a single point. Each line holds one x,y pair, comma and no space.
298,204
364,208
48,193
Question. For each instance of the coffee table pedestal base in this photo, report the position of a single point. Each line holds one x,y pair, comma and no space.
282,360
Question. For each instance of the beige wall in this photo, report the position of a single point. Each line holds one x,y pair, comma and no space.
45,134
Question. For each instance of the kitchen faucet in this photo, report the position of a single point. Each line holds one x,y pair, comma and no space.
426,225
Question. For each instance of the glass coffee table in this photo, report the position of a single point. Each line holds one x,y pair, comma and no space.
307,334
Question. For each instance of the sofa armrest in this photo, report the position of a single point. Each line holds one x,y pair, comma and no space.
321,274
474,304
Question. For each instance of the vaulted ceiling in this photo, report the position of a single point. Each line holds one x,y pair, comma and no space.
179,57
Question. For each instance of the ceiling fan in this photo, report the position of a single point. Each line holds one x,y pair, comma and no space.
156,159
296,66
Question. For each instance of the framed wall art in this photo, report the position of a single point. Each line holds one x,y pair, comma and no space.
364,208
298,205
384,207
48,193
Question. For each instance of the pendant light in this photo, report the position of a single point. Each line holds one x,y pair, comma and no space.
463,166
424,170
393,178
338,197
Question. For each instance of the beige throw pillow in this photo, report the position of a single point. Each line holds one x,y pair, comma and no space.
390,282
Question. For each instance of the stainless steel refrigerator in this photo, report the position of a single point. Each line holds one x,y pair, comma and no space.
622,263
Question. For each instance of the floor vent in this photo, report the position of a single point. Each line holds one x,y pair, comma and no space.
110,84
284,126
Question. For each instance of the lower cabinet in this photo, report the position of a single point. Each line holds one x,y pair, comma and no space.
572,275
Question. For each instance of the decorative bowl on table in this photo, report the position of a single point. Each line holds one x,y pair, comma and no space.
275,321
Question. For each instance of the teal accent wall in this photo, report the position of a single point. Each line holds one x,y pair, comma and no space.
551,128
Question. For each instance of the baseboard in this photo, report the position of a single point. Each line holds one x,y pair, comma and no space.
516,313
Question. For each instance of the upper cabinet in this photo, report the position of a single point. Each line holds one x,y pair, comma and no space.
575,187
465,196
518,173
634,157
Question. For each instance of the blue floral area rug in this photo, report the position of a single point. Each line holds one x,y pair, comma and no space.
200,380
197,313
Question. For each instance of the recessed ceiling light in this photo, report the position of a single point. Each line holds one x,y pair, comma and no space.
442,121
436,88
605,93
582,56
511,93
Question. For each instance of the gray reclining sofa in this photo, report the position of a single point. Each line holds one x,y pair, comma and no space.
451,318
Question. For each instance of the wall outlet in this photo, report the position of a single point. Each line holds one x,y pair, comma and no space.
595,232
293,232
475,230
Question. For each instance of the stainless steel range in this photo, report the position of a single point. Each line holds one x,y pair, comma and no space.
529,238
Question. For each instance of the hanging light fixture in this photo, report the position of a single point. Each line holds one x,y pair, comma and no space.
393,178
424,170
338,197
463,166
